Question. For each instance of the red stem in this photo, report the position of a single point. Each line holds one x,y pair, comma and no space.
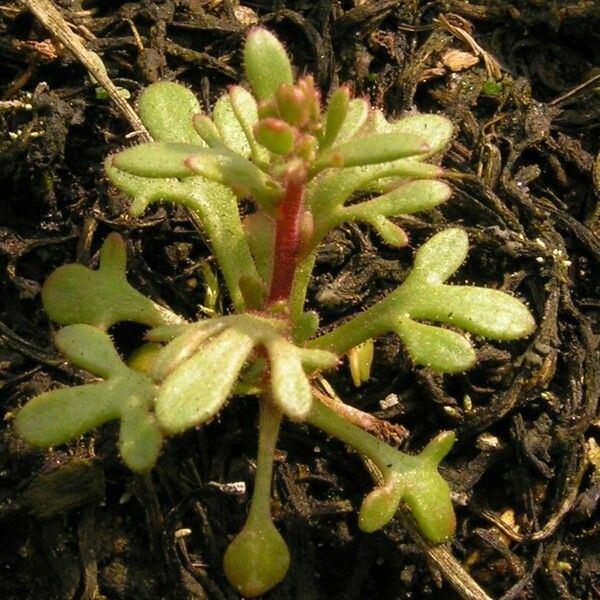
287,241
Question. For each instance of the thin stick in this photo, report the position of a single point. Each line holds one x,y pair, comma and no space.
54,22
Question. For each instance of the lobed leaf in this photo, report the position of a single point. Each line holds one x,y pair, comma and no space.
59,416
166,109
75,294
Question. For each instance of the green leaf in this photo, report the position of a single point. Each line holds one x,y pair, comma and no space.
440,257
89,348
289,384
439,349
195,391
180,349
294,108
166,109
380,506
140,438
428,494
275,135
76,294
234,115
372,149
59,416
317,360
56,417
208,131
260,233
489,313
356,117
390,233
266,63
435,129
337,111
257,559
240,175
407,198
213,204
157,159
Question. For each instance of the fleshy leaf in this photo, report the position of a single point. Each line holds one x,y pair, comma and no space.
373,149
390,233
76,294
276,135
180,349
237,173
156,159
407,198
380,506
208,131
423,295
356,117
91,349
289,384
61,415
428,496
440,256
440,349
490,313
213,204
337,111
166,109
234,115
195,391
266,63
257,559
412,478
436,129
140,438
58,416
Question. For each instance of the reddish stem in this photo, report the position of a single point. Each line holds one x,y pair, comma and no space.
287,241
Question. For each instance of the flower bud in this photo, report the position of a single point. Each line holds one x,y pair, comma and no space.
292,104
275,135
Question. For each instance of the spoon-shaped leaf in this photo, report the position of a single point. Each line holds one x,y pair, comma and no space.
439,349
289,383
335,116
157,159
91,349
266,63
372,149
195,391
257,559
436,129
407,198
490,313
440,256
166,109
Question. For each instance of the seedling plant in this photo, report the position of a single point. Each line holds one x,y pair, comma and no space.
306,166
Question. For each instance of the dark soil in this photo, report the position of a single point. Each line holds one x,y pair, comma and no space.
74,523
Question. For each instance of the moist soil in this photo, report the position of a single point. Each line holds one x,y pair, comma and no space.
521,82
